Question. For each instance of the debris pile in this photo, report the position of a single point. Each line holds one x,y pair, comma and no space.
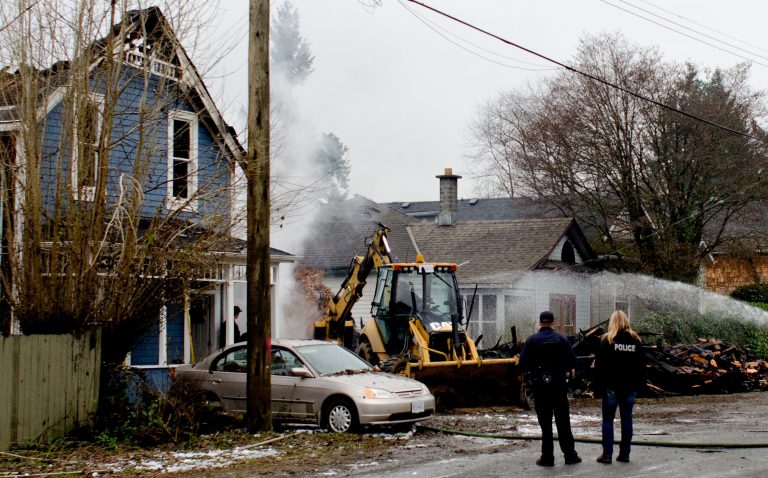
708,366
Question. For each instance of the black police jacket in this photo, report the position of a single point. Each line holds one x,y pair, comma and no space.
547,353
620,366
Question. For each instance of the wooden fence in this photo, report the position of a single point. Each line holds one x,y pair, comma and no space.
49,384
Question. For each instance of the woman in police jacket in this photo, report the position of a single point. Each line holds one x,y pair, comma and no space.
620,374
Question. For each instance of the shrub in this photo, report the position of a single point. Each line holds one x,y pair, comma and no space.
685,328
132,411
752,293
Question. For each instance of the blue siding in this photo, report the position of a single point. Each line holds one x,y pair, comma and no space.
175,331
139,151
146,352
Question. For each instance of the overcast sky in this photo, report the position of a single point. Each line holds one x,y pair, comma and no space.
401,96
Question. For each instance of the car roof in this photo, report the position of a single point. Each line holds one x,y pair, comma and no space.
300,342
288,343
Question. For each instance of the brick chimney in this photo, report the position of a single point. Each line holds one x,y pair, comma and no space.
449,201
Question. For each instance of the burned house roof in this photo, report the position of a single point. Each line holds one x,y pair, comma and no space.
340,230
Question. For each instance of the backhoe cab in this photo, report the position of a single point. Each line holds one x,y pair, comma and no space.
421,298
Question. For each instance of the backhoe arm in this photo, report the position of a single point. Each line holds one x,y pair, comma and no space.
337,323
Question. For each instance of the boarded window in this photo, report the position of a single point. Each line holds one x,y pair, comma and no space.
564,308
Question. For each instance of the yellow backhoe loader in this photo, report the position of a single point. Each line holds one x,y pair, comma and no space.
417,328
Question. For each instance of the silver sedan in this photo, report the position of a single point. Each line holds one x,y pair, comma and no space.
313,382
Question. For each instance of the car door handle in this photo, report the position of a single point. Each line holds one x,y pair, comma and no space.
216,380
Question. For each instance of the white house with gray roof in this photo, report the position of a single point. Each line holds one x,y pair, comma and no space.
518,267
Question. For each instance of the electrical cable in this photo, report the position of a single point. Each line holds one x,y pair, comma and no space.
607,83
687,35
589,75
702,25
432,26
664,444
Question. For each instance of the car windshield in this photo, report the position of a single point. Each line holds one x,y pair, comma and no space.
329,359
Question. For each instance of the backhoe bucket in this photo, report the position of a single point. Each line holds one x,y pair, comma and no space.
471,382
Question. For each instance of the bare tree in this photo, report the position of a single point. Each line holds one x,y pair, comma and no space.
659,186
98,230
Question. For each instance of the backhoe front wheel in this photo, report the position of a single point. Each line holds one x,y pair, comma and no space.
340,416
365,351
394,364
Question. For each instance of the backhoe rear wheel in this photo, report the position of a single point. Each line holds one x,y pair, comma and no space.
394,364
365,351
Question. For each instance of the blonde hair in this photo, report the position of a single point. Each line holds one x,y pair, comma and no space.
619,322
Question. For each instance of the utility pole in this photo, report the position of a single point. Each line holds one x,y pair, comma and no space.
259,314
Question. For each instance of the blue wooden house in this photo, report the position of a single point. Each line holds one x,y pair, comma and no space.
147,123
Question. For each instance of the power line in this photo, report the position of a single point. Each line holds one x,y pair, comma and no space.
588,75
432,26
687,35
704,26
620,88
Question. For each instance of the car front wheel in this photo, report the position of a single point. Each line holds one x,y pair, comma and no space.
340,416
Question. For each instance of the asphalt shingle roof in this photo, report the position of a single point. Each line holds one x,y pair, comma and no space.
491,251
486,209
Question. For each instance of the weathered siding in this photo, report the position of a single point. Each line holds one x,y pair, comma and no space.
728,273
520,304
49,384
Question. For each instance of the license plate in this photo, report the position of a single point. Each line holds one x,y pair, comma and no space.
417,407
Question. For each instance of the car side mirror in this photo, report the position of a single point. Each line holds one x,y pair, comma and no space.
301,372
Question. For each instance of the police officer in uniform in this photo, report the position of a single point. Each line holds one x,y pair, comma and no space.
547,358
620,374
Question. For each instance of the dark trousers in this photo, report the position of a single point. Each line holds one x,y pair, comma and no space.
624,402
548,401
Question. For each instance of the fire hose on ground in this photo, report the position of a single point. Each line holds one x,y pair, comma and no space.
667,444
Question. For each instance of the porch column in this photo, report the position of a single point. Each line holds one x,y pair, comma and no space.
188,358
162,337
229,306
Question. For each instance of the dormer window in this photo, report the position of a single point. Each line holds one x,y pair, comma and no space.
568,255
182,159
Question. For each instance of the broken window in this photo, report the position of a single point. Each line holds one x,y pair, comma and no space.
485,324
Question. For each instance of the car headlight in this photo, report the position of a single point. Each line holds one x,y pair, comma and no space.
376,393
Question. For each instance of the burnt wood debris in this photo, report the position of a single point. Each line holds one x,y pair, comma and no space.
709,366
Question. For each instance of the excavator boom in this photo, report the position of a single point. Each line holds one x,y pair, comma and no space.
337,323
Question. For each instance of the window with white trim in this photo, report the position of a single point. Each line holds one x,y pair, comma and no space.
182,158
85,154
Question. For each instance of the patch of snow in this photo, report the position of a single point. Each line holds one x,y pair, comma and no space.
172,462
363,465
